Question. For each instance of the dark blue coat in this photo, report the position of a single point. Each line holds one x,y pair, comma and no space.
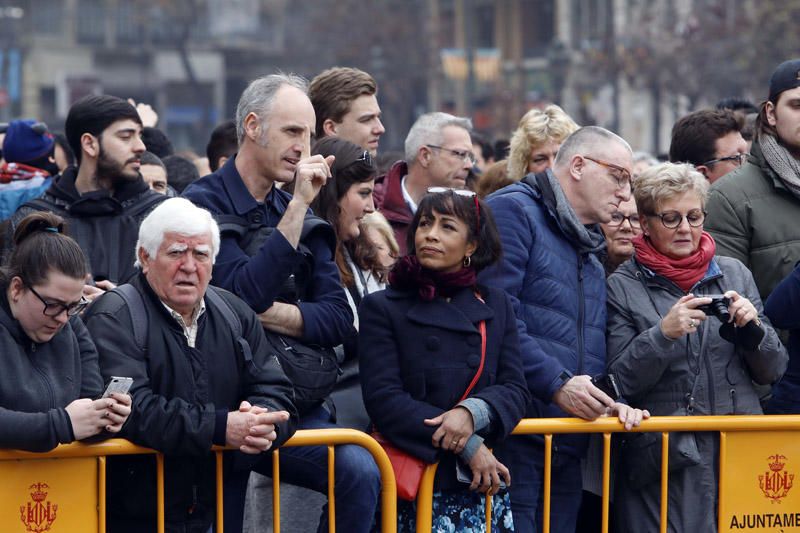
327,317
782,309
417,358
559,297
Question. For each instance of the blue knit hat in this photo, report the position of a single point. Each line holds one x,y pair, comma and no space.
23,144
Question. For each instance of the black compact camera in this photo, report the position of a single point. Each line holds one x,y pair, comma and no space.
608,384
718,307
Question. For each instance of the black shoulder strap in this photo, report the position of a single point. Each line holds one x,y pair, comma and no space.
314,224
232,224
142,204
235,324
40,204
133,299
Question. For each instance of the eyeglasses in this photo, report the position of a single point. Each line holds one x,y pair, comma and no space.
465,193
53,309
736,159
365,158
673,219
624,180
617,218
461,154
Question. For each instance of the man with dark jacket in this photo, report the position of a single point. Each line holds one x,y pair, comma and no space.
753,211
438,151
552,270
105,198
284,268
202,375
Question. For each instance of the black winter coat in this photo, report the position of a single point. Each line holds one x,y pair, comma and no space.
417,358
181,397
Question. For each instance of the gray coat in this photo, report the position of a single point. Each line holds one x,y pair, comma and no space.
699,374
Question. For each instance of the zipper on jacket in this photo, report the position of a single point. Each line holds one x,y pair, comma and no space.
733,400
710,377
193,507
581,312
51,397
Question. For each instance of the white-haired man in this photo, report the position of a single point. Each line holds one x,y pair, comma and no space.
438,153
202,374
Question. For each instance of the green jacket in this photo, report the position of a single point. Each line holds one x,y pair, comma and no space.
754,218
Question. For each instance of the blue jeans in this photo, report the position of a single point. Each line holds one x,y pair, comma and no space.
525,458
357,487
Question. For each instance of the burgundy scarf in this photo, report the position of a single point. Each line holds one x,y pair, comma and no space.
408,274
683,272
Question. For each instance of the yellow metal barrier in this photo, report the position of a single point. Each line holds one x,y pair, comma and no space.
315,437
665,424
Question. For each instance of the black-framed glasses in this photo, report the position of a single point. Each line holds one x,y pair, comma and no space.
465,193
673,219
624,177
461,154
617,218
53,309
736,159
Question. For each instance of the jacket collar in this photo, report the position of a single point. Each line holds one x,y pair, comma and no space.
394,206
713,273
461,313
240,197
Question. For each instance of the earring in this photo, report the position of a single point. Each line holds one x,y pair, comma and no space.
467,261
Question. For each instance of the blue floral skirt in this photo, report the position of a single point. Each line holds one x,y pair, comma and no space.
459,511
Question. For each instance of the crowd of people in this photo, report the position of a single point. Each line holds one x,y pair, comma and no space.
286,282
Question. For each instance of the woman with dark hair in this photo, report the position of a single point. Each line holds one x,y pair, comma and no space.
440,364
50,370
343,201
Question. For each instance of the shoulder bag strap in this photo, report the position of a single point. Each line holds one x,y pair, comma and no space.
482,328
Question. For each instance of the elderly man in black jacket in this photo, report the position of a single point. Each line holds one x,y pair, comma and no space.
202,375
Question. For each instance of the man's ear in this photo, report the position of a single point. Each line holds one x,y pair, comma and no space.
702,169
144,259
329,127
252,126
90,145
769,111
424,156
576,166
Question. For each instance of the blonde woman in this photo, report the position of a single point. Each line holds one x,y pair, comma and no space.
536,140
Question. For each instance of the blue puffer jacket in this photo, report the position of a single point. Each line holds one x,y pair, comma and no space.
559,297
781,308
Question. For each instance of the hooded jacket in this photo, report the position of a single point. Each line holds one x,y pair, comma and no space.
40,379
390,202
105,225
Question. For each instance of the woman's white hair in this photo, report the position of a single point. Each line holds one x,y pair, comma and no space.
176,215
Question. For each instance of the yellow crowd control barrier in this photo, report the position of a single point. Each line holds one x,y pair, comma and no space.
758,455
65,489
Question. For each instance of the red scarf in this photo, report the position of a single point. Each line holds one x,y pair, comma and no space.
408,274
683,272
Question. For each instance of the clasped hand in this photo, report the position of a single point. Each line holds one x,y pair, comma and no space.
455,428
252,428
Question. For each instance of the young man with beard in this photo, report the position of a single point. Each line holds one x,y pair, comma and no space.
103,198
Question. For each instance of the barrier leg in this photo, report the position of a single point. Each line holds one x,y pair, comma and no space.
160,492
606,480
331,492
664,480
720,488
220,494
101,496
425,500
548,468
276,492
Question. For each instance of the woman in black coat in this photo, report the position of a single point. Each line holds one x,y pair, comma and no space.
420,349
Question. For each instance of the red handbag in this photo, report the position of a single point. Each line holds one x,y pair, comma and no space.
408,469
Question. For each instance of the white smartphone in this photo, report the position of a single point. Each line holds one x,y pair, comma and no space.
117,384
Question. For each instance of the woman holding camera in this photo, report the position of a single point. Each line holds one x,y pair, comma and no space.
50,371
686,336
440,365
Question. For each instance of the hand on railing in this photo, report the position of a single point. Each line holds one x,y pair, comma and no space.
580,397
628,415
455,428
251,429
487,471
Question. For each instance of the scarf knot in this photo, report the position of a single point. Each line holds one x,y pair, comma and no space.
408,275
684,272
